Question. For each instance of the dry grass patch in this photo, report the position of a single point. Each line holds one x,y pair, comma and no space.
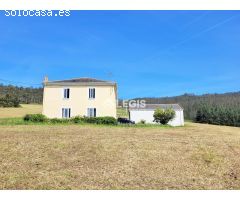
89,157
21,111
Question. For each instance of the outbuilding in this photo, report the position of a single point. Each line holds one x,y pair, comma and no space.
137,113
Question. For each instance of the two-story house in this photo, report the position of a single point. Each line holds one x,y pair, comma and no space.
79,97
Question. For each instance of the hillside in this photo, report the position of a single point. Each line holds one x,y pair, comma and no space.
26,95
191,102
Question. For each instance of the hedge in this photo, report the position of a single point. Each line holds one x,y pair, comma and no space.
35,118
95,120
218,115
77,119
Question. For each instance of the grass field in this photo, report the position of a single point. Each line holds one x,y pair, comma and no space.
46,156
90,157
20,112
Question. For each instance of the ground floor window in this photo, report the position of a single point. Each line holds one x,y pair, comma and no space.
66,112
91,112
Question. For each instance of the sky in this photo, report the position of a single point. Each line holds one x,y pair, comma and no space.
148,53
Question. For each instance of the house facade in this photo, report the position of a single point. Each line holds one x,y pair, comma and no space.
79,97
137,113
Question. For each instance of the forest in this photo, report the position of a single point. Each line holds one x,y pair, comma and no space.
191,103
25,95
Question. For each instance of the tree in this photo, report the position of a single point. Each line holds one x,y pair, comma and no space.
9,101
163,116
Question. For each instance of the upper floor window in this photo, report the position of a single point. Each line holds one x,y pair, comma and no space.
66,93
91,93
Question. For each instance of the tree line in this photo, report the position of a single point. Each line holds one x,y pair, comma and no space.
223,109
9,101
24,95
219,115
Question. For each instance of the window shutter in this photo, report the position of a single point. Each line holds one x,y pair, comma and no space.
68,93
95,114
69,112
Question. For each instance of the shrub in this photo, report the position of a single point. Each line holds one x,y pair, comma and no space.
142,121
106,120
9,101
35,118
78,119
163,116
100,120
59,121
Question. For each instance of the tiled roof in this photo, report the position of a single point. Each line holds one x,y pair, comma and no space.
79,81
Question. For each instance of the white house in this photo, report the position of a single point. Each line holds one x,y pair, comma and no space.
79,97
137,113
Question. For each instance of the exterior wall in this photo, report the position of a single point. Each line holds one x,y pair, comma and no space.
104,102
147,115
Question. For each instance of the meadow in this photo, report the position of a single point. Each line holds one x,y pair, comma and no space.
195,156
20,112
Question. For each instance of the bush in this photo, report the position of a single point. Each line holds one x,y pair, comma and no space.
78,119
142,121
9,101
106,120
35,118
100,120
163,116
59,121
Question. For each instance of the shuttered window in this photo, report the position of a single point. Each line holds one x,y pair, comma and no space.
66,112
91,112
66,93
91,93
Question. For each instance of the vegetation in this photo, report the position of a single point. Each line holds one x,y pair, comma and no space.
94,157
9,101
95,120
163,116
142,121
35,118
77,119
25,95
219,115
191,103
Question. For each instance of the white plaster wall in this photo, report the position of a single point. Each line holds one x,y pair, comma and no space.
147,115
105,101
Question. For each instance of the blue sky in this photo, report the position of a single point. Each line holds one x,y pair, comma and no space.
148,53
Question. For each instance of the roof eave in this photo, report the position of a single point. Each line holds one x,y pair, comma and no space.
80,84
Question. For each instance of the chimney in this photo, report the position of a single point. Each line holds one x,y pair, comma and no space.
45,80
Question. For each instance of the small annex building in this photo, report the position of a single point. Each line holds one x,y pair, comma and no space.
137,113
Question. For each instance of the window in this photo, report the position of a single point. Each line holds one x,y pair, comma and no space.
91,112
66,93
91,93
66,112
